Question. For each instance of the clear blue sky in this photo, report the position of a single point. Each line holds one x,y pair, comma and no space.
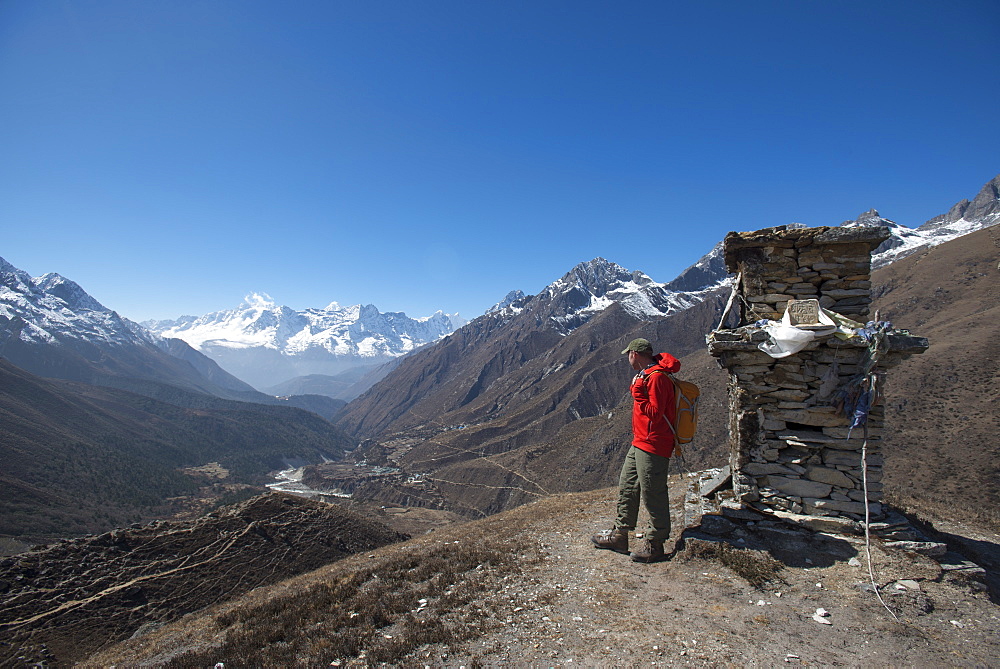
172,156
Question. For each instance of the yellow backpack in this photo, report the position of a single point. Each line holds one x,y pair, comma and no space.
686,398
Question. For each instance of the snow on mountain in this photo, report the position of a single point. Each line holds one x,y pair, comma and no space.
69,291
50,326
907,241
709,272
51,308
964,217
596,284
590,288
265,343
902,241
512,297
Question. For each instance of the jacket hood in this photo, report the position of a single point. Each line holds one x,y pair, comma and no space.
667,363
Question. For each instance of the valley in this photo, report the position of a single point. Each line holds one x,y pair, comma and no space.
110,450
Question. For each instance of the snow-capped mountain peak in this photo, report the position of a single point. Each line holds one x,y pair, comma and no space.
69,291
508,300
51,308
709,272
597,278
591,287
964,217
265,343
870,218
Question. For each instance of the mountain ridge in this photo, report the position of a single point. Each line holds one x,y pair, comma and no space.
528,370
465,364
53,327
265,343
248,344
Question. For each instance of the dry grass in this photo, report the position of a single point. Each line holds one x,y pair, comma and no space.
377,614
758,568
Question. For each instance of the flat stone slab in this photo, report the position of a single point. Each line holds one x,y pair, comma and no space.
821,523
929,548
716,483
956,562
857,508
907,343
834,477
798,487
819,417
765,468
731,509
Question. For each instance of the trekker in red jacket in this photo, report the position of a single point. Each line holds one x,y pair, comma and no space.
644,473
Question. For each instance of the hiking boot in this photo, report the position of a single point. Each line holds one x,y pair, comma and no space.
612,540
649,551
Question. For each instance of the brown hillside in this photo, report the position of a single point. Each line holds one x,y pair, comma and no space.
942,451
481,372
66,601
587,453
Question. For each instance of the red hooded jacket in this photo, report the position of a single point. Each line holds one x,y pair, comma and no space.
653,393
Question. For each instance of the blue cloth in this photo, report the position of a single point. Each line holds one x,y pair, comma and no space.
861,409
873,329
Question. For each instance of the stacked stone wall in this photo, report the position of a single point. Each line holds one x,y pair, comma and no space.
776,266
793,449
791,446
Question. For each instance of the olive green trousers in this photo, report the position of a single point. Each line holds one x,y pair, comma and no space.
644,478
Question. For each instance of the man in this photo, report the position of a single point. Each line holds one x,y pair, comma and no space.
644,474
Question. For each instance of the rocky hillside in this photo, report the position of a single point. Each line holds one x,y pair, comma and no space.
488,368
66,601
526,588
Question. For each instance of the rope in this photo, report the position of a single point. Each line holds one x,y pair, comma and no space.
864,481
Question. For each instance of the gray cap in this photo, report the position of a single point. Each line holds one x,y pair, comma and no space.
639,346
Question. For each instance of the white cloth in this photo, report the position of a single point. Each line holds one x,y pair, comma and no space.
785,339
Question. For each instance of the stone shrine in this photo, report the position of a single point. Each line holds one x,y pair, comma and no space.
803,369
